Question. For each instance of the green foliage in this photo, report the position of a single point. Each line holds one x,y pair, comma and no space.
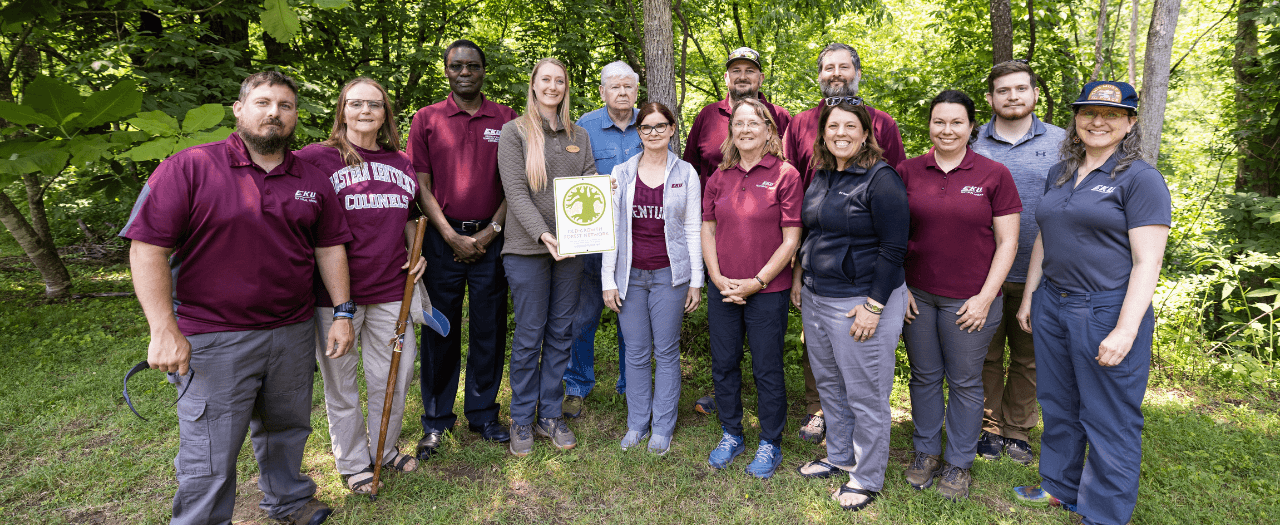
168,137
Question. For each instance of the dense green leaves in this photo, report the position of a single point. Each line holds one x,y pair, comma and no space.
169,137
279,20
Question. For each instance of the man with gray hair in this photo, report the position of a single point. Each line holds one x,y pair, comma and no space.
839,72
614,139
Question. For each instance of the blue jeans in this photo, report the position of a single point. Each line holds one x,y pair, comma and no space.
580,377
1085,403
652,313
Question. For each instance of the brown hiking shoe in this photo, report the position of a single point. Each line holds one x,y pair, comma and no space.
953,482
923,469
556,429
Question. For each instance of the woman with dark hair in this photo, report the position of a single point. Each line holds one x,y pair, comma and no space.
751,216
1104,221
533,150
654,277
376,182
850,266
964,235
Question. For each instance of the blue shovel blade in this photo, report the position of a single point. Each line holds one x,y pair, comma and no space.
437,321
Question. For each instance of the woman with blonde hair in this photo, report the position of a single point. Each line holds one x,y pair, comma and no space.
377,184
535,149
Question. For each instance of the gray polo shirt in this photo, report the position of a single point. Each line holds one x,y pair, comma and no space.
1028,159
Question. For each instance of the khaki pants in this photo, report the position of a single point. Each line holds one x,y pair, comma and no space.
1009,409
352,437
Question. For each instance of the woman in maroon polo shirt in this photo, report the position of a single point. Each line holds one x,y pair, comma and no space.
963,238
750,230
375,182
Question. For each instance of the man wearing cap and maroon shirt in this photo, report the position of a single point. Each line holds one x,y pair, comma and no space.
226,238
742,78
454,147
839,72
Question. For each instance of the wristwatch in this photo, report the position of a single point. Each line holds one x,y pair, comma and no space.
345,310
497,228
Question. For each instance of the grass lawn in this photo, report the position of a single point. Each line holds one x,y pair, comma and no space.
71,452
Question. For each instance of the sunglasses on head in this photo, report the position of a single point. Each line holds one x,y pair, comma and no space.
836,101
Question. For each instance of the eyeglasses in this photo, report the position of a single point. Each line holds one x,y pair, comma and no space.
753,125
356,103
836,101
457,68
646,129
1106,114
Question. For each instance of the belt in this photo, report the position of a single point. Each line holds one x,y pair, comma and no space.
469,226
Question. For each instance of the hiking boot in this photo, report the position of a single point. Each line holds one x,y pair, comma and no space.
990,446
1018,450
311,513
556,429
633,438
953,482
572,406
730,447
814,429
923,469
768,456
521,439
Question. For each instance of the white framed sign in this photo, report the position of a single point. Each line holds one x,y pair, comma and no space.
584,215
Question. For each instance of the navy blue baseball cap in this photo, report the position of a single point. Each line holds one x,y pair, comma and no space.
1108,93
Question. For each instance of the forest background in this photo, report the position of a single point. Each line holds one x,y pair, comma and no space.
94,93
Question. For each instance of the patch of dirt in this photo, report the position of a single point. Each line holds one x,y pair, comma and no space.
459,472
246,510
538,504
104,515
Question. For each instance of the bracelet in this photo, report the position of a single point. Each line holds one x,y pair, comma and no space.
763,284
872,309
343,315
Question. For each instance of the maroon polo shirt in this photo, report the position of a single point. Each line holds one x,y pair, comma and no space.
711,127
750,210
951,241
460,152
244,239
803,133
378,197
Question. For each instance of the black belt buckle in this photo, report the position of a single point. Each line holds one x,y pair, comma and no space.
472,226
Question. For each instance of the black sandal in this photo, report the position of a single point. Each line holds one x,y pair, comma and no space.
830,470
360,484
845,489
399,461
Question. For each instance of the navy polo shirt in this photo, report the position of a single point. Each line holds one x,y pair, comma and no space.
610,144
1085,227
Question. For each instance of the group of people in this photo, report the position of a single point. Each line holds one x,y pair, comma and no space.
822,211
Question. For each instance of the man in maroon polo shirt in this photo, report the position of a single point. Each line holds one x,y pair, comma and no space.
226,239
454,148
742,78
839,72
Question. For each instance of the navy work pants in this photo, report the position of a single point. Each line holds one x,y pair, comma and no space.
763,320
1087,405
447,280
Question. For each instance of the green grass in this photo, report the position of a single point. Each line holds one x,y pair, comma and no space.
71,452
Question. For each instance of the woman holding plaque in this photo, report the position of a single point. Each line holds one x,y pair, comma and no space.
751,216
534,149
654,277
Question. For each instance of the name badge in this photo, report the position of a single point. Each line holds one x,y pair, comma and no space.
572,148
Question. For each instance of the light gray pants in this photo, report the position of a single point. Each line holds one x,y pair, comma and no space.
650,318
352,438
545,295
854,380
937,348
257,381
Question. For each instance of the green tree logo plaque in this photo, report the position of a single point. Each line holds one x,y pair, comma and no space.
584,204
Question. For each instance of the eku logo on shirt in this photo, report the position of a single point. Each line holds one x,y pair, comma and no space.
766,185
492,135
973,190
305,196
678,185
1103,189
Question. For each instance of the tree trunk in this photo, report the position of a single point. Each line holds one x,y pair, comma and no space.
1155,75
1133,44
35,204
1031,29
44,255
1099,39
1001,31
1259,139
659,55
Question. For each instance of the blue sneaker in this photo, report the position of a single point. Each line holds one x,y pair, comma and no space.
730,447
768,456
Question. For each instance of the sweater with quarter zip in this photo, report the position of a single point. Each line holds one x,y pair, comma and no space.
856,224
531,214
